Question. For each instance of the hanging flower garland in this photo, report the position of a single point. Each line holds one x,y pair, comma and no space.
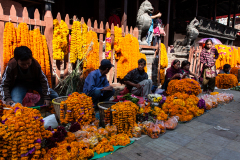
108,45
92,57
22,35
46,61
117,41
60,42
163,63
225,81
75,41
83,47
9,43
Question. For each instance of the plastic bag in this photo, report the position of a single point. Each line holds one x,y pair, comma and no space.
93,141
136,131
30,99
154,131
89,128
214,101
172,122
162,126
145,127
50,121
102,133
86,142
91,134
112,130
81,134
96,123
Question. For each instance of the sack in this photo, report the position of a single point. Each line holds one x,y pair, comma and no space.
210,72
30,99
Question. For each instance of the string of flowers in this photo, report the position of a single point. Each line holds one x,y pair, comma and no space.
75,41
225,81
108,45
22,35
163,63
117,42
46,61
60,42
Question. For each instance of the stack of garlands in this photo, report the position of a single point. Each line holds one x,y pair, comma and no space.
119,139
60,40
117,42
129,56
69,151
21,132
79,108
78,41
227,55
182,105
188,86
92,58
225,81
234,71
124,116
108,45
163,62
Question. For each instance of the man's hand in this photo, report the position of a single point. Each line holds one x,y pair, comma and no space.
47,103
138,86
159,14
108,88
10,103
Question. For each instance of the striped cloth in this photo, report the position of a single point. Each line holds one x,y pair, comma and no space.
208,57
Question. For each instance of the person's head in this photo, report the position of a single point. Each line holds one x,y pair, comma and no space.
105,66
176,64
226,67
185,65
23,56
208,44
141,64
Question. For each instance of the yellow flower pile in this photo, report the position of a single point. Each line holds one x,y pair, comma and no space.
21,133
227,55
78,41
60,39
161,115
129,56
92,57
108,45
163,62
182,105
225,81
188,86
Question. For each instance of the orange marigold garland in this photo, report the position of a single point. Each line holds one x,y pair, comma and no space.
188,86
79,108
46,61
108,45
22,35
124,117
225,81
9,43
21,132
117,41
75,41
234,71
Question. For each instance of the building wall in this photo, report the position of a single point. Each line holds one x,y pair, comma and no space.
6,5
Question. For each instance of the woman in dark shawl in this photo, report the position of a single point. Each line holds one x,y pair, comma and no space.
173,72
185,69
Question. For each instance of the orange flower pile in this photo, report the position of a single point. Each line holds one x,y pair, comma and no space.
225,81
129,56
161,115
103,146
21,133
69,151
120,139
234,71
79,108
124,116
187,85
182,105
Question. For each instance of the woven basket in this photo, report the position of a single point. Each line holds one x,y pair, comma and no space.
104,106
56,104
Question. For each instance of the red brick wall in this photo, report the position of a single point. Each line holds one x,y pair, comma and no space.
6,5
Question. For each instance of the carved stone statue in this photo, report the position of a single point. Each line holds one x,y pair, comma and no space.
184,45
144,21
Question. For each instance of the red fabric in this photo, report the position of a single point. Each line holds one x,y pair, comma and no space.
125,91
30,99
115,20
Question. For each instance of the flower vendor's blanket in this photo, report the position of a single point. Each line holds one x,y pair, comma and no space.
97,156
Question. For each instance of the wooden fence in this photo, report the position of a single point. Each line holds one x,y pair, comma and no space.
47,25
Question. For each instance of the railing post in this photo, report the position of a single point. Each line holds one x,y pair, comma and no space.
66,63
101,42
1,41
112,46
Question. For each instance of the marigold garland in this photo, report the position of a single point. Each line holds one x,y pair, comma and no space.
182,105
108,45
103,146
161,115
188,86
120,139
79,108
225,81
234,71
60,42
117,41
162,76
22,35
21,132
124,117
164,57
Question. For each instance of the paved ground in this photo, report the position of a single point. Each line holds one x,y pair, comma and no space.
195,140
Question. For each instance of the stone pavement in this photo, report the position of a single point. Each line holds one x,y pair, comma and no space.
195,140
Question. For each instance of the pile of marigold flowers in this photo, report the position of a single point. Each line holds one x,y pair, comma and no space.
182,105
188,86
78,108
21,133
225,81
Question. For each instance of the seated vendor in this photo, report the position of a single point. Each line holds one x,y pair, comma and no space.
226,69
173,72
96,84
24,73
185,69
137,80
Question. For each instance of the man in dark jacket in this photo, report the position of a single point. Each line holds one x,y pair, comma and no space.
24,73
